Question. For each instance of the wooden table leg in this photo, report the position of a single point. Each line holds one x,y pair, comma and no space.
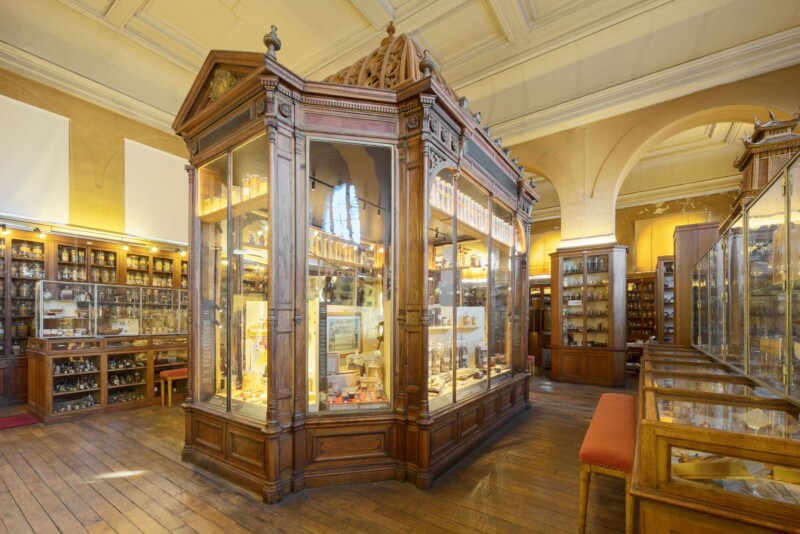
169,389
586,472
162,392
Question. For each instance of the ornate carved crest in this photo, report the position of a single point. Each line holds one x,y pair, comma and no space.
436,158
413,122
285,110
222,82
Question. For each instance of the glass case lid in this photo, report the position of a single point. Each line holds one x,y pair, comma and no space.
737,418
688,368
710,385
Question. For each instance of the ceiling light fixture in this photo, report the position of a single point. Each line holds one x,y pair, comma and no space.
153,249
42,235
125,247
6,231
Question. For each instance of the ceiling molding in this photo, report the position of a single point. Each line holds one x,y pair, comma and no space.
361,43
570,22
744,61
378,12
121,11
712,186
21,62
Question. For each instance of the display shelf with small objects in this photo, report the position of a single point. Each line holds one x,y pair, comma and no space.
641,307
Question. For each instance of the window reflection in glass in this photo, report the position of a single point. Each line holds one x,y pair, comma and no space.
502,252
349,277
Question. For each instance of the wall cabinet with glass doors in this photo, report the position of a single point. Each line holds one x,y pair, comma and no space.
589,309
665,299
358,307
747,289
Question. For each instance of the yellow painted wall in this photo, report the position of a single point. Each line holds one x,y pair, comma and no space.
97,186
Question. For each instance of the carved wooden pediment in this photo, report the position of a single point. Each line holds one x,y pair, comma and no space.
220,74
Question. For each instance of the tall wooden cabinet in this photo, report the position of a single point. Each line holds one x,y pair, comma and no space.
641,306
588,342
691,242
665,299
360,298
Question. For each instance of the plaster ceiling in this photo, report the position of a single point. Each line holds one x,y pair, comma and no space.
532,67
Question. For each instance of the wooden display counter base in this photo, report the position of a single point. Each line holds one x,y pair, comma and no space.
346,449
62,417
588,365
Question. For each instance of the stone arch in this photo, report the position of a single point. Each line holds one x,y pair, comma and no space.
733,102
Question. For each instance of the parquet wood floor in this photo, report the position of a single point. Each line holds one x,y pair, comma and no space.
122,473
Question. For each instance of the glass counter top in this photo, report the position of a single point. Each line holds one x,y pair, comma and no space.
713,386
740,419
691,369
670,358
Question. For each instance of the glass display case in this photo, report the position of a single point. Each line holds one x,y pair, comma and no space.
734,304
103,266
71,263
767,279
716,289
137,270
665,299
721,451
27,266
471,247
235,271
641,302
539,323
589,291
65,309
347,276
349,269
2,295
68,309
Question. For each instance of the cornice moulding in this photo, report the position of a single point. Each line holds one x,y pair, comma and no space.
713,186
745,61
30,66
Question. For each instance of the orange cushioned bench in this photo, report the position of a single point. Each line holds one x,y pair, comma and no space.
608,449
169,376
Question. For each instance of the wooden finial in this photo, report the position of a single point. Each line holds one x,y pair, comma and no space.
390,34
426,64
272,42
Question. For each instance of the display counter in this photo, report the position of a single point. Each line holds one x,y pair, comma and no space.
717,452
71,378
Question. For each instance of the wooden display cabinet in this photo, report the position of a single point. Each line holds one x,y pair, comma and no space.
691,242
665,299
588,342
641,306
318,214
26,258
73,378
716,451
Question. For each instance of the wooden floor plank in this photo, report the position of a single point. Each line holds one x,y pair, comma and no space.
122,473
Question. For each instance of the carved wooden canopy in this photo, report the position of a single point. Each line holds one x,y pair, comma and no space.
393,63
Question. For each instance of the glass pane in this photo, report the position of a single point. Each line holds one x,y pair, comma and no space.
737,475
713,386
71,263
118,310
767,275
696,305
103,265
572,305
668,335
794,232
349,277
443,276
597,300
64,309
501,270
472,295
735,306
2,293
702,301
162,272
27,266
213,304
741,419
715,289
249,265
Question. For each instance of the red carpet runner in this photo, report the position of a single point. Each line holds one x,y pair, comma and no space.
13,421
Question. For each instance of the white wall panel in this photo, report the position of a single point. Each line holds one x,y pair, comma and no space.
34,162
156,194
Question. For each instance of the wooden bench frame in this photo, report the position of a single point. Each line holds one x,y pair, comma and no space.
168,391
586,470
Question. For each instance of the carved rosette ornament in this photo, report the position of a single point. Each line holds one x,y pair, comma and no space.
285,110
413,122
222,82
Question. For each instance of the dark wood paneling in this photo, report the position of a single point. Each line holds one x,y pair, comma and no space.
207,434
245,448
